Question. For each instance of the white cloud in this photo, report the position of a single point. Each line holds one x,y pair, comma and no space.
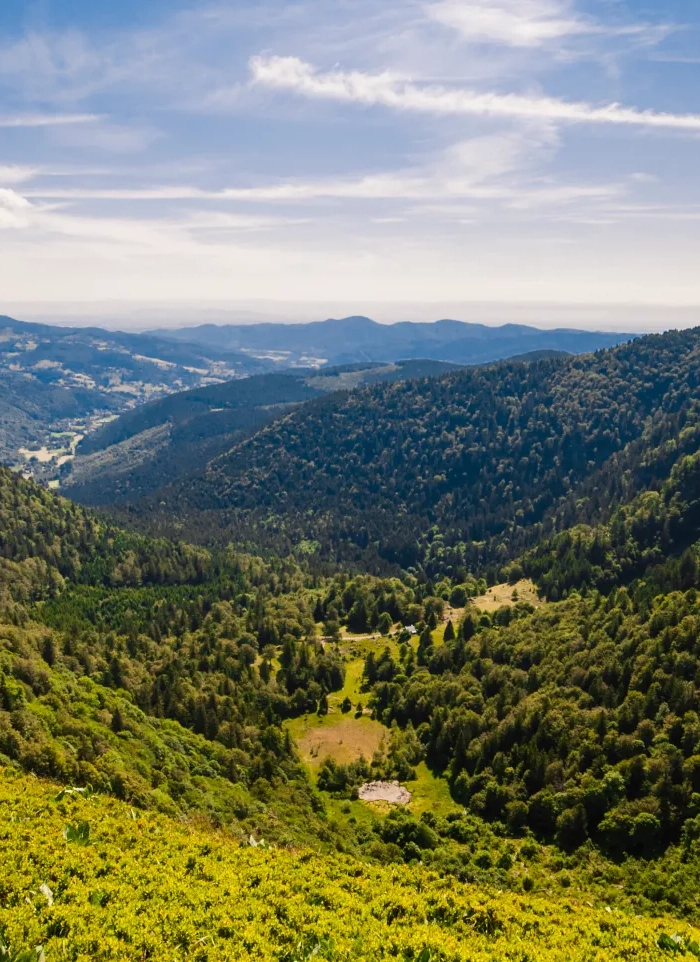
480,169
14,174
388,90
531,23
13,209
11,200
47,120
517,23
287,197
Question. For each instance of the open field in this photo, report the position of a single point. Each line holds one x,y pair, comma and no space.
342,737
501,595
346,738
429,793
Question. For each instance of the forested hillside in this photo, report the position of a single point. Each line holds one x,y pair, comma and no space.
145,668
578,722
151,445
653,534
46,540
467,469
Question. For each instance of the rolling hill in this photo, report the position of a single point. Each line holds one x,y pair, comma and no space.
549,745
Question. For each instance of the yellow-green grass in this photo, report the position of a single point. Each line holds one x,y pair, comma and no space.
429,793
501,595
341,810
352,688
341,737
359,646
146,887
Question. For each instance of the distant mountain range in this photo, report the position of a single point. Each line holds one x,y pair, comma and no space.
359,339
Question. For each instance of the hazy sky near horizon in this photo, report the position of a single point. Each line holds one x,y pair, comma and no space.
350,152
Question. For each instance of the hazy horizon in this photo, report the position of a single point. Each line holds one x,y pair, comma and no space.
129,316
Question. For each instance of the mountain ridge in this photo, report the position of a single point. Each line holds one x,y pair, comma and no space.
482,454
342,340
150,445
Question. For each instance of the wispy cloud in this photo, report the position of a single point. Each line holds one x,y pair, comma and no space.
481,170
530,23
397,186
15,174
47,120
388,90
517,23
490,140
18,212
108,137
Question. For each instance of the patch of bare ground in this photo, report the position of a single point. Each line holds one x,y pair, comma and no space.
390,792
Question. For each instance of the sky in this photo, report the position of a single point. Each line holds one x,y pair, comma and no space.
533,160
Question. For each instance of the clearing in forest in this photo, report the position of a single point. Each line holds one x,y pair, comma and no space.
342,737
500,595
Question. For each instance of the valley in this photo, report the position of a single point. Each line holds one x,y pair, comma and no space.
349,481
70,381
421,626
59,380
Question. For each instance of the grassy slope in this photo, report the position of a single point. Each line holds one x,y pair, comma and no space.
146,887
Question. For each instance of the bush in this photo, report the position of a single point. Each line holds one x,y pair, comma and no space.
505,861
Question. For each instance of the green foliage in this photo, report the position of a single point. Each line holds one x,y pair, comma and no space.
653,536
46,540
21,955
569,736
155,888
578,722
78,834
677,944
178,431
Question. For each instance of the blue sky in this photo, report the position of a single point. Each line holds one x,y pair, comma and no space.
533,159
